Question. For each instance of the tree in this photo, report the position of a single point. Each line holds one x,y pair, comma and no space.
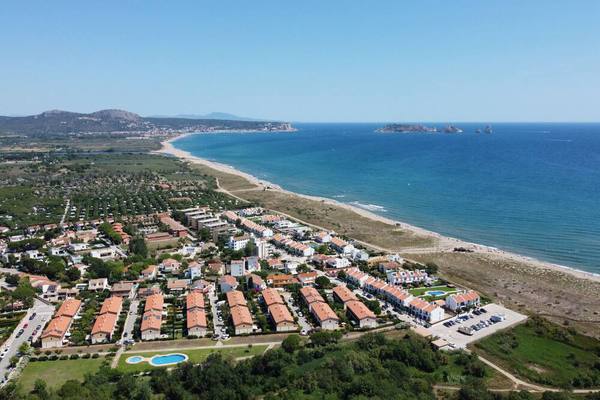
73,274
137,245
24,348
24,292
291,343
323,282
323,338
12,279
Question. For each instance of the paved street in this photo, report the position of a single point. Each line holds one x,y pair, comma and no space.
43,314
130,320
218,326
302,321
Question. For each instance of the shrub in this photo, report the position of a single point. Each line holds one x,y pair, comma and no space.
95,355
86,355
53,357
64,357
42,358
74,356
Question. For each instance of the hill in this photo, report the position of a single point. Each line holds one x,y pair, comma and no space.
212,115
58,122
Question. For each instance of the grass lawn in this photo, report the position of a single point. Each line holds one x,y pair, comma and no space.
421,290
545,353
55,373
195,356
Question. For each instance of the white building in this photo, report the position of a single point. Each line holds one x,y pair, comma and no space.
239,242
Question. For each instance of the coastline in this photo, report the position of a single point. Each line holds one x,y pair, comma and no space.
443,244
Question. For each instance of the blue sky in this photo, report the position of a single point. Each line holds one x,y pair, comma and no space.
306,60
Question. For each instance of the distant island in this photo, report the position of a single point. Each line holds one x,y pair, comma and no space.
57,122
406,128
417,128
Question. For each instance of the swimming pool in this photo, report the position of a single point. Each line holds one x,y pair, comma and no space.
168,359
435,293
135,360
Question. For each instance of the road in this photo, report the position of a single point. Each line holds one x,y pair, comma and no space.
43,313
217,326
302,321
130,320
64,216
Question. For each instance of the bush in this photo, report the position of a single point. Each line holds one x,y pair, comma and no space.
64,357
95,355
42,358
53,357
86,355
74,357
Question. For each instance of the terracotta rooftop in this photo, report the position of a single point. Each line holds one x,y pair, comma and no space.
196,318
195,299
323,312
69,308
236,298
112,305
57,327
271,296
344,294
105,323
280,313
359,310
154,302
151,320
241,316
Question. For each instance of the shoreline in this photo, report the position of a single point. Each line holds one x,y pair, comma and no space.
443,243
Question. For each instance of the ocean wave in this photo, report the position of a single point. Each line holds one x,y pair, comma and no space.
339,196
369,207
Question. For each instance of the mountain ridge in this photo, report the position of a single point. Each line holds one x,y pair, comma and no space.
61,122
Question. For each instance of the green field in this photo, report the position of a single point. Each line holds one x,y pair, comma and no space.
421,290
195,356
545,353
55,373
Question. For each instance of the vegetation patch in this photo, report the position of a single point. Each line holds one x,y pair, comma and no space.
542,352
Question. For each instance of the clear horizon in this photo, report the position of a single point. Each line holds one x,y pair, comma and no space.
310,62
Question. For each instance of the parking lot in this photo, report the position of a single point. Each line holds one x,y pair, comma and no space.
461,340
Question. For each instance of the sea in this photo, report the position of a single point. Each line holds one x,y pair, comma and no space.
529,188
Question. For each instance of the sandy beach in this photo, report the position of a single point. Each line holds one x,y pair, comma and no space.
442,243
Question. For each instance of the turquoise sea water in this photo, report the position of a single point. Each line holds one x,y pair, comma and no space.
529,188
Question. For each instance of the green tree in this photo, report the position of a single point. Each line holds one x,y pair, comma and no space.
137,245
291,343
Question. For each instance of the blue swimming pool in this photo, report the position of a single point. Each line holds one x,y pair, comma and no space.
134,359
435,293
168,359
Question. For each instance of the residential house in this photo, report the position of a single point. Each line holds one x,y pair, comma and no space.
123,289
271,296
282,318
170,265
326,317
464,300
429,312
228,283
307,278
216,267
236,298
151,323
280,280
341,246
98,285
361,313
242,320
196,323
149,273
343,295
311,296
194,270
255,282
177,285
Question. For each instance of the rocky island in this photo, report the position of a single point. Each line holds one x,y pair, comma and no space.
406,128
